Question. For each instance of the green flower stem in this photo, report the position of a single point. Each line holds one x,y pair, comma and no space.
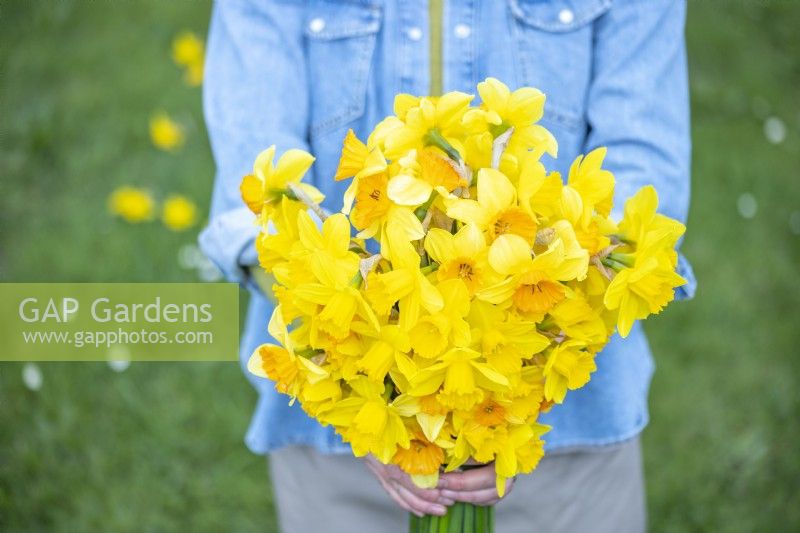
356,281
460,518
433,267
625,259
616,266
435,138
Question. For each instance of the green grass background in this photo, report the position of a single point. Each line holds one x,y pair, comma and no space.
159,446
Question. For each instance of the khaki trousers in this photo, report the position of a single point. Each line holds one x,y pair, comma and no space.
595,490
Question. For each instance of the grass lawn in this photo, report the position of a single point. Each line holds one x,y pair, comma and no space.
159,446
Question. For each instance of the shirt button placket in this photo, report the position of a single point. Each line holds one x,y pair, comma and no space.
461,55
411,45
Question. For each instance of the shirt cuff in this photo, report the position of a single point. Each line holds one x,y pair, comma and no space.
228,241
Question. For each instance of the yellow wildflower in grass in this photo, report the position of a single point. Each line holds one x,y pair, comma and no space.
496,285
131,204
165,133
178,213
188,52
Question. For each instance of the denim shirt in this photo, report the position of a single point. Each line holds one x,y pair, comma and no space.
298,74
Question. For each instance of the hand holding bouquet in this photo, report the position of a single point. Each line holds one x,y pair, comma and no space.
492,288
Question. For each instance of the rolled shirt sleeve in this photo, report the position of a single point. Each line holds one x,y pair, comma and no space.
638,106
255,95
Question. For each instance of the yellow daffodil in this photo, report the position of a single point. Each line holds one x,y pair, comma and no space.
280,363
461,256
495,211
433,333
340,305
495,286
568,366
504,339
431,416
641,217
593,187
646,278
179,213
358,162
424,122
388,349
165,133
373,209
577,319
534,282
329,256
421,460
404,284
641,291
462,378
422,172
264,189
521,110
370,423
131,204
276,246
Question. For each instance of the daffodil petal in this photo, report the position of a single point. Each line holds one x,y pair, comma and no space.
408,190
510,254
495,191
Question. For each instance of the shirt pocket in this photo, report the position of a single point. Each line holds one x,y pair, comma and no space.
554,53
340,42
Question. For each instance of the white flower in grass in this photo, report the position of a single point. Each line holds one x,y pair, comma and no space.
774,130
119,358
747,205
189,256
32,376
794,222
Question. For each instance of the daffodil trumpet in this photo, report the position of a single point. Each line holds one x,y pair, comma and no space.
496,286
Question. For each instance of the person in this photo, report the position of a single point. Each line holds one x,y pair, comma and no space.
300,74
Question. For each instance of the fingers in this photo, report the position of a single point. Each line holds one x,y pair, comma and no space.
484,497
418,505
407,495
469,480
478,497
429,495
480,490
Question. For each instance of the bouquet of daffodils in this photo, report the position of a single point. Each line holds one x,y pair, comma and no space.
491,287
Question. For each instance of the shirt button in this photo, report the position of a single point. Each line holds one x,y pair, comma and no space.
415,34
316,25
566,16
462,31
